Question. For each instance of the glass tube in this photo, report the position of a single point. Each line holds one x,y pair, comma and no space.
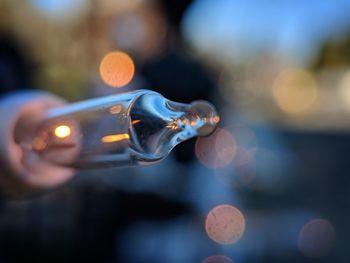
134,128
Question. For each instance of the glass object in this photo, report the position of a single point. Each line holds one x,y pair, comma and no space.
134,128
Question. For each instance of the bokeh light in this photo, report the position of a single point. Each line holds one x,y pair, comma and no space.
241,171
225,224
295,91
141,30
217,150
243,156
62,131
117,69
217,259
316,238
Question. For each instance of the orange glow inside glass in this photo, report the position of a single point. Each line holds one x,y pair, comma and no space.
62,131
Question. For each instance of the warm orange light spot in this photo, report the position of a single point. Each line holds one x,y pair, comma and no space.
136,121
216,119
225,224
115,138
172,125
217,259
115,109
316,238
117,69
62,131
295,91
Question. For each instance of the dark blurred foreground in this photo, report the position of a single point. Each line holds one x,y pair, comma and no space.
92,221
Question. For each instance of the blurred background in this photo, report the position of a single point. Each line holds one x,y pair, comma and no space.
270,185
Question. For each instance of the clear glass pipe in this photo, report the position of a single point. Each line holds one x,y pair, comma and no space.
139,127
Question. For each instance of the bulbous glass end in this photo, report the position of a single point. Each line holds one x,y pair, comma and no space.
164,124
203,117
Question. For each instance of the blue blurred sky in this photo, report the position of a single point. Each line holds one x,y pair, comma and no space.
241,28
59,9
